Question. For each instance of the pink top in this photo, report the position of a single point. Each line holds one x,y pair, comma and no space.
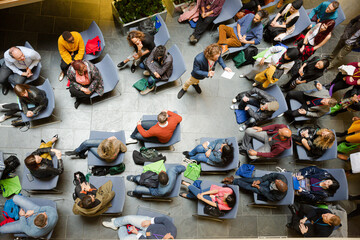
84,79
219,197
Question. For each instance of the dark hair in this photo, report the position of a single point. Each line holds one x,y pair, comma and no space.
77,64
40,220
333,187
30,162
231,200
159,51
262,13
322,35
227,154
326,62
86,202
292,53
297,4
335,4
66,35
20,89
163,178
135,34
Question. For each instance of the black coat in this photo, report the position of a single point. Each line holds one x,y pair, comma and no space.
35,96
46,168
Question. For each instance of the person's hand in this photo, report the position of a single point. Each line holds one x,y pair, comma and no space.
300,189
262,61
145,223
245,99
301,71
200,196
252,152
211,73
302,48
228,69
299,177
355,98
355,118
258,129
29,213
21,212
168,236
351,79
298,81
139,45
318,86
58,154
29,72
246,108
302,111
259,7
134,230
136,56
302,221
83,186
30,113
157,75
85,90
243,39
205,144
139,122
24,74
273,23
208,152
303,228
203,15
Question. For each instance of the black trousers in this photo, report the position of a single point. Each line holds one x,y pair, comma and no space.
302,211
79,95
298,96
201,26
11,109
64,66
339,83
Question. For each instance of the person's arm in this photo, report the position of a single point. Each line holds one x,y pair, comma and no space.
81,51
292,22
170,227
258,37
146,133
42,104
314,114
273,127
162,69
217,8
323,42
307,35
65,55
197,69
56,171
313,196
150,60
221,62
275,152
305,144
269,177
35,57
96,77
23,106
211,203
315,11
175,116
253,114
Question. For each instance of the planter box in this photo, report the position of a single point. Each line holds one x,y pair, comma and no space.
123,25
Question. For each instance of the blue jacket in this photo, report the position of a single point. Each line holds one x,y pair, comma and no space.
201,66
172,173
321,14
160,228
255,33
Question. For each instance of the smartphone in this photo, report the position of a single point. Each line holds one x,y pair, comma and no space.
30,177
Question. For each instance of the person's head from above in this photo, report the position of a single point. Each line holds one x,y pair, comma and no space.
212,52
295,6
163,178
278,185
79,66
22,90
285,132
322,64
135,37
331,219
68,37
270,106
162,118
330,184
159,53
40,220
331,102
325,138
16,54
109,149
332,7
227,153
32,161
87,202
230,198
291,54
326,27
260,15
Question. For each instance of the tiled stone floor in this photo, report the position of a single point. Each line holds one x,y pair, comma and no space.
207,114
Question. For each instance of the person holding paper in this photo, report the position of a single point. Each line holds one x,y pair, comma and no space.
204,67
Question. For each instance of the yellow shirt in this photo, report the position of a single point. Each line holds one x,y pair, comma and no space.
66,48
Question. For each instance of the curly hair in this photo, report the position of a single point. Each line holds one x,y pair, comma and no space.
212,50
135,34
324,141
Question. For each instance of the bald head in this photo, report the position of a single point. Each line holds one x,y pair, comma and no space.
16,53
281,186
285,132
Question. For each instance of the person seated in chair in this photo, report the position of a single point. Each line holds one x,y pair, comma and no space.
143,44
253,6
349,102
313,221
215,153
249,31
166,180
85,79
315,140
313,104
35,221
159,67
258,98
142,227
40,162
90,201
71,47
32,102
315,184
276,139
19,65
270,187
159,131
325,11
104,149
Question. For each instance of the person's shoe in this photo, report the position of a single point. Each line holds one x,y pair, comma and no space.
193,40
292,209
121,65
197,88
255,84
131,194
146,73
234,101
280,3
82,155
71,153
56,136
288,225
186,154
240,142
224,49
181,93
77,104
243,152
133,68
147,90
131,141
234,107
110,224
341,134
61,76
5,89
42,141
130,178
228,180
3,118
242,127
331,65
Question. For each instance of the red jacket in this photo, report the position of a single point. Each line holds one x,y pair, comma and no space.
163,134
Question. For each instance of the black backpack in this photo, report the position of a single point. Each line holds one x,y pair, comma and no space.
148,26
139,159
11,163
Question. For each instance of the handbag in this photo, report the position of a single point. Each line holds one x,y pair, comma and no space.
10,186
192,171
141,85
11,209
7,219
335,108
213,211
155,167
241,116
346,147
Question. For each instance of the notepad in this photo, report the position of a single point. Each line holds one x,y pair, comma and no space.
227,74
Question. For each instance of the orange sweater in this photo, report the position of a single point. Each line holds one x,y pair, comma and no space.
65,48
163,134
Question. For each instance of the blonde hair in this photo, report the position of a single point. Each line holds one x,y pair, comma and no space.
212,50
324,141
335,221
332,102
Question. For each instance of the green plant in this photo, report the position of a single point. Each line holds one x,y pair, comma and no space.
131,10
177,2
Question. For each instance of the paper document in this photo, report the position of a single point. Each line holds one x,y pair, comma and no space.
228,75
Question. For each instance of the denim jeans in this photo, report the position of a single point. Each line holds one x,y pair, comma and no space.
198,154
146,124
134,220
194,191
89,145
245,183
140,190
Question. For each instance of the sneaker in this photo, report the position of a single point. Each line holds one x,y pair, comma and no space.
186,154
133,68
2,106
181,93
193,40
255,84
147,90
71,153
146,73
130,178
241,76
121,65
197,88
4,117
234,107
131,141
110,224
242,127
234,100
61,76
